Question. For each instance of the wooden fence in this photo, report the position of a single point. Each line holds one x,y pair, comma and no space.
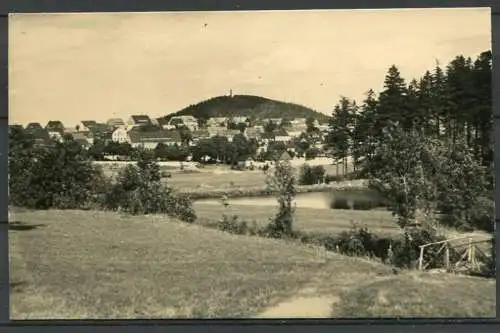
469,253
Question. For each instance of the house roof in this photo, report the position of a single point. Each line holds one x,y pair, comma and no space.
285,156
163,121
137,136
89,123
239,119
79,135
34,126
253,132
280,132
185,118
82,141
140,119
115,122
217,119
222,131
16,126
54,125
275,133
200,134
100,129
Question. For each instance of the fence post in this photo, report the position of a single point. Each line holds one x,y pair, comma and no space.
421,259
447,256
469,251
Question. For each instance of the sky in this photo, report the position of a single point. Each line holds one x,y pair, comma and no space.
95,66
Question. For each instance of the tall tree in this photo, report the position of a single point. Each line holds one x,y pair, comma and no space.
339,135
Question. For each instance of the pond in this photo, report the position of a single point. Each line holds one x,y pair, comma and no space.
315,200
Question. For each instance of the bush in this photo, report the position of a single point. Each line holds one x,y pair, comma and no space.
482,215
311,175
139,190
350,243
282,182
61,176
406,251
232,225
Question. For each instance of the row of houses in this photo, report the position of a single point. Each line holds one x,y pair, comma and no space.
165,131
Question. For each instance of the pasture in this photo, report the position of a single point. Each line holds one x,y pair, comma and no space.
313,216
307,219
76,264
212,177
86,264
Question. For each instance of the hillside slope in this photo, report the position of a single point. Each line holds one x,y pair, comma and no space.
246,105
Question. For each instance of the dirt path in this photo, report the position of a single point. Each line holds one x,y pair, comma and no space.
311,302
305,304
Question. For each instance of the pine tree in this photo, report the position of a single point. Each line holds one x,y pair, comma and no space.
340,131
392,102
438,100
483,115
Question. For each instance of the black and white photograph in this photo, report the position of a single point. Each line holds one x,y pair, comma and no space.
251,164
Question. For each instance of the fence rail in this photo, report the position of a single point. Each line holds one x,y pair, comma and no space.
470,253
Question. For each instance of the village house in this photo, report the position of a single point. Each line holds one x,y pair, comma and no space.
221,131
85,125
323,127
238,120
259,128
116,123
246,163
199,135
276,121
120,135
138,120
299,121
155,122
33,127
101,132
253,133
278,135
217,122
55,126
293,131
188,121
55,129
82,139
40,134
151,139
15,127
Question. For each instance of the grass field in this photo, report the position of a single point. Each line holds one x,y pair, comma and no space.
76,264
420,295
217,177
79,264
308,219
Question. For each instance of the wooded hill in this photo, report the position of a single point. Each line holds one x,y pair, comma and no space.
246,105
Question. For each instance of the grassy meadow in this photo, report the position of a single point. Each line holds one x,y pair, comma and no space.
309,220
219,177
85,264
77,264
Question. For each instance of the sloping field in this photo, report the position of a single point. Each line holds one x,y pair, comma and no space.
84,264
307,219
77,264
420,295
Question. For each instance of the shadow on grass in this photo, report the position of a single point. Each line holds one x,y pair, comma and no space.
17,286
23,226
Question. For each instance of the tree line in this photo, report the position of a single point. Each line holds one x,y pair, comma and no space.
427,145
451,103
